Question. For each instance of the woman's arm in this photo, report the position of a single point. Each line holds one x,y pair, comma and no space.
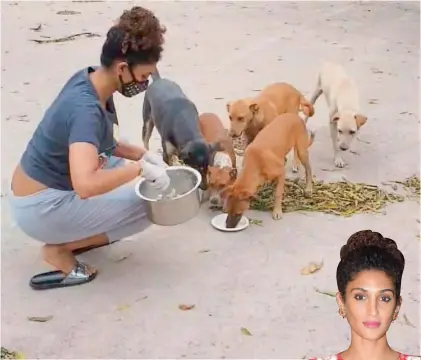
88,179
86,128
128,151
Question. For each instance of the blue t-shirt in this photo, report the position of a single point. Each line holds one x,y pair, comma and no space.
76,115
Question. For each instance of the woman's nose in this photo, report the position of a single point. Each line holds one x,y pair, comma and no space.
373,309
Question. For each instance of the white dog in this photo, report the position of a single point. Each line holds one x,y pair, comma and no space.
342,98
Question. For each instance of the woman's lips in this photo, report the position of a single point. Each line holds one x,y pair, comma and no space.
371,324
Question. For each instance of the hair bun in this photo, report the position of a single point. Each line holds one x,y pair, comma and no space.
142,29
368,238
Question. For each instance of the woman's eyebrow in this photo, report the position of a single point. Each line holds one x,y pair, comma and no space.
381,291
359,289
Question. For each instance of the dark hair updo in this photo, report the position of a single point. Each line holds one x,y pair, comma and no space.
137,37
368,250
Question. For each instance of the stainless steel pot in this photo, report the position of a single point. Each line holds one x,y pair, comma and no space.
173,211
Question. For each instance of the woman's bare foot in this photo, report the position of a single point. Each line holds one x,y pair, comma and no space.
61,258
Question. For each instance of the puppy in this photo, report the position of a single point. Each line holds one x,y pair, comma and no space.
177,121
251,115
264,161
222,169
342,99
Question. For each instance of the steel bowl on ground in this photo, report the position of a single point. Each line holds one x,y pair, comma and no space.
167,211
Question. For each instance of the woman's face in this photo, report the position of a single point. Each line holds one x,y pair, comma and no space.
133,81
370,303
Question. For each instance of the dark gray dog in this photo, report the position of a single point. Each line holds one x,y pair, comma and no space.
177,121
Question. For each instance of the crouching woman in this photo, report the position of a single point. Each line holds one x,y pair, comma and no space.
68,190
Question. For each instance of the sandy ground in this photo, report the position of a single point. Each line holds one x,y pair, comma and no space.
217,52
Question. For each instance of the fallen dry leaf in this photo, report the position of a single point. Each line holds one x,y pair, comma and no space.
67,12
311,268
327,293
40,318
204,251
245,331
123,307
122,258
186,307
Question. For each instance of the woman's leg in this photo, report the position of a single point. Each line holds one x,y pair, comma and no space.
65,222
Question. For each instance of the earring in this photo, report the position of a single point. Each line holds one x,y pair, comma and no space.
395,316
341,312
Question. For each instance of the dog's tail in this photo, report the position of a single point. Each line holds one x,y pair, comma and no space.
156,75
306,106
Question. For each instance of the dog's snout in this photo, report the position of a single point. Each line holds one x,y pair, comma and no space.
214,201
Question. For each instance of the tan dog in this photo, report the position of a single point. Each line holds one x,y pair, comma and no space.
251,115
342,98
222,169
264,161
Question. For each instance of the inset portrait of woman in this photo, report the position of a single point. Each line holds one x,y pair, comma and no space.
369,277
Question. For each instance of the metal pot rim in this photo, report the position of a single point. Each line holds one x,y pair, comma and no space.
171,168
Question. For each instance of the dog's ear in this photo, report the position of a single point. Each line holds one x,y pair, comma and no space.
335,117
360,119
233,173
254,107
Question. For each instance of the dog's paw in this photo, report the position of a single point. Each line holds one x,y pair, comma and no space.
277,214
339,162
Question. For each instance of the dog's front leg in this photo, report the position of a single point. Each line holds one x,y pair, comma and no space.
166,153
339,161
277,212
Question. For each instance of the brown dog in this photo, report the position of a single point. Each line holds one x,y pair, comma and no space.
251,115
222,169
264,161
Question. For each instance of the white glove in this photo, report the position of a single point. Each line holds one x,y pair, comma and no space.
155,175
154,159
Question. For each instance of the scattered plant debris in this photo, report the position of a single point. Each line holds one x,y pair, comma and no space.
256,222
36,28
65,38
122,258
204,251
245,331
8,354
40,318
184,307
411,184
123,307
68,12
327,293
311,268
341,198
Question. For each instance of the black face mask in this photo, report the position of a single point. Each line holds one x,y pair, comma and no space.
133,88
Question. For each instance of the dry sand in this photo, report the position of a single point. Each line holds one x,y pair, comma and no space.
217,51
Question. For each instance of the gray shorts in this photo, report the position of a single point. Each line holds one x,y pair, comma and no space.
57,217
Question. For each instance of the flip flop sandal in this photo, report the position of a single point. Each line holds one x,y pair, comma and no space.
88,248
58,279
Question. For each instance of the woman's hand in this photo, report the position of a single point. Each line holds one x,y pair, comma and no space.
155,159
156,175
